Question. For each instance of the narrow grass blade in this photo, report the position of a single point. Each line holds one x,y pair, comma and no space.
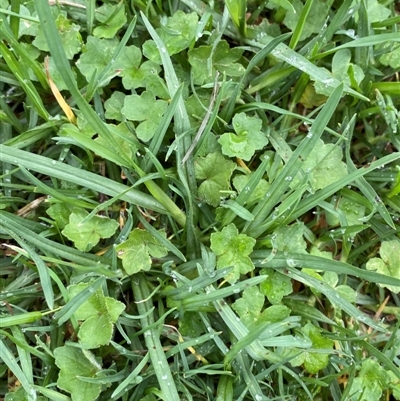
281,260
12,364
333,296
159,361
311,201
364,186
282,182
80,177
24,81
300,24
5,33
371,40
43,270
12,222
57,51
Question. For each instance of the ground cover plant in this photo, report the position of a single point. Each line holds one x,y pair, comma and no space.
199,200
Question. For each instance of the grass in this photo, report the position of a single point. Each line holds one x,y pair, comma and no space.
199,200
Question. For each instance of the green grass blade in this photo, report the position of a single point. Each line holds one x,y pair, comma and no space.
160,364
43,270
300,24
282,182
80,177
12,364
60,59
311,201
281,260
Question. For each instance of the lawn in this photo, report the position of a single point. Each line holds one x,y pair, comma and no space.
199,200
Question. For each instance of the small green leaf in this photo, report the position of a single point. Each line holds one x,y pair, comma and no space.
341,63
179,32
249,306
216,172
324,165
147,109
99,314
98,54
391,58
290,238
112,18
85,236
190,325
233,249
137,251
389,262
26,27
240,184
370,383
73,362
276,286
113,106
60,213
353,211
247,139
224,60
313,361
69,34
376,12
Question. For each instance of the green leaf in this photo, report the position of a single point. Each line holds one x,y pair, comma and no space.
99,314
249,306
190,325
353,211
27,27
73,362
247,140
276,286
370,383
216,172
56,76
315,20
85,236
290,238
376,12
395,384
60,213
314,362
113,106
275,314
391,58
389,262
205,63
324,165
137,251
179,32
112,17
129,62
240,183
98,54
147,109
69,34
233,249
341,64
